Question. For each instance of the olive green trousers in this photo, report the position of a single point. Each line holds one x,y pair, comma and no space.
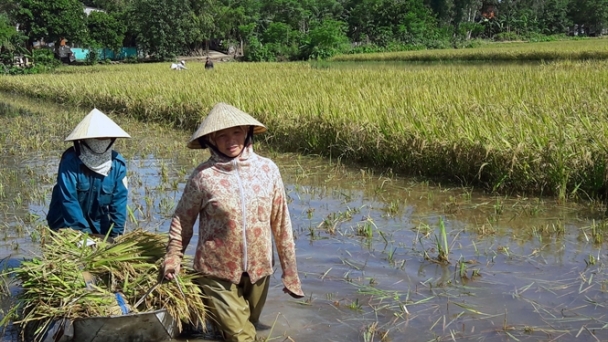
234,309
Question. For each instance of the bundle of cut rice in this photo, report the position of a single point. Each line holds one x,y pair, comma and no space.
71,280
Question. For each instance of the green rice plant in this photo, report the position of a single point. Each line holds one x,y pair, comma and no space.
166,206
149,200
309,212
313,234
371,331
462,269
164,173
268,339
486,229
391,256
442,246
347,277
498,207
597,234
5,280
366,230
383,236
131,215
392,208
333,220
307,301
175,184
18,199
591,260
355,305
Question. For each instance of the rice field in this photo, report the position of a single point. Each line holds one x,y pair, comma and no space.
586,49
529,129
381,258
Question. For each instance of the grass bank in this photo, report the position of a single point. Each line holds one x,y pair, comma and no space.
534,129
588,49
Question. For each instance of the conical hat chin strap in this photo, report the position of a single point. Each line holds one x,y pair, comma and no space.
204,142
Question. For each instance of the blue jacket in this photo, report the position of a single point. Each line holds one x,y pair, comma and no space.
87,201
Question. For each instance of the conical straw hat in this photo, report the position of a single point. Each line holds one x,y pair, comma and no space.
96,125
223,116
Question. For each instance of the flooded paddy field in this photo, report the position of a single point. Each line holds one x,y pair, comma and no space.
381,258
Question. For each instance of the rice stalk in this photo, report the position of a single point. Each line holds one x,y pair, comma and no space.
504,128
53,284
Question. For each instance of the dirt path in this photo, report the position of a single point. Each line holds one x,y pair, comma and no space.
213,55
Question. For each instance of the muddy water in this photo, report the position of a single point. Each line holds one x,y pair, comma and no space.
526,269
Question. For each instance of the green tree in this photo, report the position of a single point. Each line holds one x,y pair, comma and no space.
161,27
282,41
385,21
105,30
7,32
325,40
203,23
11,41
289,12
52,20
443,10
465,12
555,17
279,33
237,20
8,6
520,17
108,5
590,16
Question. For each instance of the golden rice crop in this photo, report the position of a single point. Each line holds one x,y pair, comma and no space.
508,127
588,49
53,285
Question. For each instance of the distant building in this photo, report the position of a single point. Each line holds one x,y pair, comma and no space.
88,10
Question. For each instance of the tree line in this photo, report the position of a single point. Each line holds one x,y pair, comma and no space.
270,30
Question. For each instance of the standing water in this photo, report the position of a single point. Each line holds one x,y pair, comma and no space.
381,258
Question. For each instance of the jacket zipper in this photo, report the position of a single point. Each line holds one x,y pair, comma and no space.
89,203
244,214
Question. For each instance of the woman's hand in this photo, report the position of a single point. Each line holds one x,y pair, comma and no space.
101,237
170,267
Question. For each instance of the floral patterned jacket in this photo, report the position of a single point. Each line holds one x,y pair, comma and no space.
241,207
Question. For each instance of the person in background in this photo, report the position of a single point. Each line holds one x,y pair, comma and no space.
208,64
179,66
91,190
241,205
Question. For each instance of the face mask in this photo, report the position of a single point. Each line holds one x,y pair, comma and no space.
98,145
97,156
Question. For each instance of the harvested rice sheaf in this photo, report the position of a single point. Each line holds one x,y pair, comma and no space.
72,280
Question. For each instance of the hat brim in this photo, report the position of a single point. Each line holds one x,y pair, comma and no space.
223,116
96,125
194,143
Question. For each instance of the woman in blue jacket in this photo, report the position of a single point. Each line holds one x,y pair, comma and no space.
91,190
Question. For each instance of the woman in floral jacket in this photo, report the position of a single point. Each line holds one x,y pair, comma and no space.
240,201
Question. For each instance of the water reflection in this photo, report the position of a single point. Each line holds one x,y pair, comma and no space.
367,245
